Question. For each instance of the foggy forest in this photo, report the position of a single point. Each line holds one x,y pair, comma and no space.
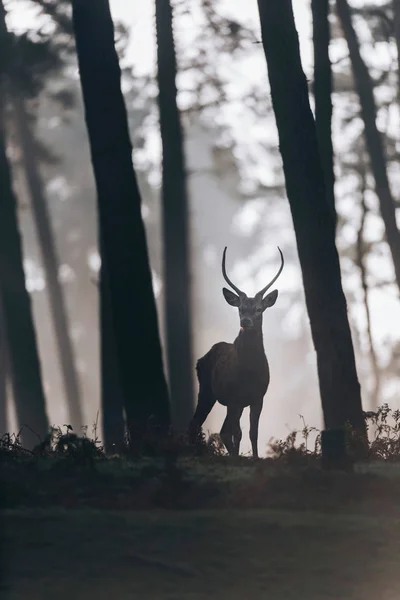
200,299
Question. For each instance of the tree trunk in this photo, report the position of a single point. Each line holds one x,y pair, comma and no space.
22,348
50,262
373,138
323,95
175,226
364,285
122,232
3,373
312,218
112,399
23,352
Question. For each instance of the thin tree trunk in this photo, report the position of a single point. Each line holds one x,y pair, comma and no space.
312,218
122,232
22,347
112,399
50,262
175,226
3,373
23,352
373,138
323,95
364,284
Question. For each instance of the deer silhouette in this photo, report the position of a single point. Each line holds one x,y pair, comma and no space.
236,375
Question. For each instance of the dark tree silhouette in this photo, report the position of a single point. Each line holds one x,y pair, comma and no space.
50,259
323,94
312,218
112,398
22,347
21,338
373,137
175,226
123,239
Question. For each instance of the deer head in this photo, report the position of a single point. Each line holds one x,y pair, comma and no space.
250,309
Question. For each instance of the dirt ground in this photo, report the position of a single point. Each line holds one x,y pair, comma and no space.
194,555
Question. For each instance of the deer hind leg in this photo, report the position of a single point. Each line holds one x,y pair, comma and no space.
255,412
231,434
205,402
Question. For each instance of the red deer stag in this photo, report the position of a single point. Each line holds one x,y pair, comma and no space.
237,375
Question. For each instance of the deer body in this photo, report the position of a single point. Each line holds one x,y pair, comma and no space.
236,375
239,371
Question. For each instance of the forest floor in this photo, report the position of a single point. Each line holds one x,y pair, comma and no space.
75,523
216,528
194,555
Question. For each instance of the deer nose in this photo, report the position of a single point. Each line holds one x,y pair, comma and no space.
246,322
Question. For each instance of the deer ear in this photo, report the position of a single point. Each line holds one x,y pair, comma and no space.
230,297
270,299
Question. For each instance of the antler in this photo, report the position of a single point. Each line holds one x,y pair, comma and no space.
227,278
262,292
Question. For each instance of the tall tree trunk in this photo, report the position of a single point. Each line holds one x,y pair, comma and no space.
364,285
123,238
23,352
175,226
312,218
3,372
323,95
112,399
373,138
50,262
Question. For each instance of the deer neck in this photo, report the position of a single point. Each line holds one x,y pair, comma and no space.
249,346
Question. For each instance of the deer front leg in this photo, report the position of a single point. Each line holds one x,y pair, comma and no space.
231,433
255,412
237,433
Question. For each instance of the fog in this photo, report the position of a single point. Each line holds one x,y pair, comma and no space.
237,199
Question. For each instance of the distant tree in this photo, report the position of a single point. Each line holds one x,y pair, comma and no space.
33,60
49,253
175,202
312,218
373,138
22,346
322,89
123,239
361,263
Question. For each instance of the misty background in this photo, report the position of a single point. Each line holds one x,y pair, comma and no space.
237,199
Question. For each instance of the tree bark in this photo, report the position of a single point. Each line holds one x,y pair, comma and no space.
122,232
323,95
50,262
373,138
22,347
175,226
112,399
312,219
